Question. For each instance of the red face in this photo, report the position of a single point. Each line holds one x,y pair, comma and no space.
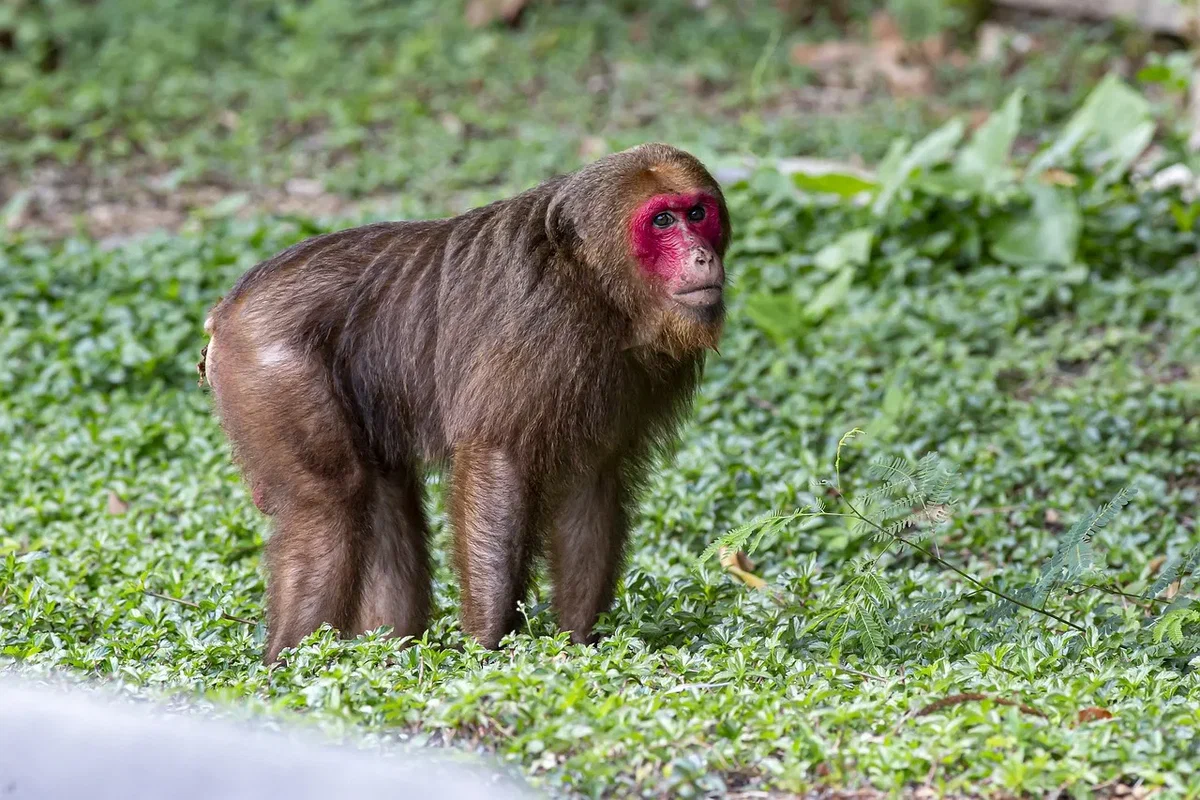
675,240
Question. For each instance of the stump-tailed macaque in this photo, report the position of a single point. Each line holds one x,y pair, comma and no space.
540,349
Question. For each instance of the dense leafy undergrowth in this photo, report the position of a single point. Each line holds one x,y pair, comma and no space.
1050,389
1035,326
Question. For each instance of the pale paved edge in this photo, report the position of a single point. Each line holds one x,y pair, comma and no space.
71,742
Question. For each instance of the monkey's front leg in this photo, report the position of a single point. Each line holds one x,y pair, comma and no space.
586,550
491,509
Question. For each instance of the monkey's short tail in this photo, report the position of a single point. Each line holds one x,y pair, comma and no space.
200,368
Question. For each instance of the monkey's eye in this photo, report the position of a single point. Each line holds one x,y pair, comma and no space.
663,220
696,214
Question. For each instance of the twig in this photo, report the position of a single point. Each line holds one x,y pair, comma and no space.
958,699
1080,588
962,573
190,604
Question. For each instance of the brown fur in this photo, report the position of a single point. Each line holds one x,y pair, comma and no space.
518,344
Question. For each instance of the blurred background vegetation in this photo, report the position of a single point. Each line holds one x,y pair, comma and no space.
150,108
963,228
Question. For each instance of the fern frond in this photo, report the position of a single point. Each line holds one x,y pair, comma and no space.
1171,624
876,589
1074,555
870,630
898,527
749,535
892,471
1179,566
1187,571
1166,576
938,489
906,506
1190,646
921,612
934,479
883,491
926,467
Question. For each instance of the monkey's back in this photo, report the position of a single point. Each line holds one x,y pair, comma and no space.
471,328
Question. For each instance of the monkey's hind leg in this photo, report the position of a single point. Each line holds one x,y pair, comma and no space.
491,508
295,448
395,587
586,549
313,564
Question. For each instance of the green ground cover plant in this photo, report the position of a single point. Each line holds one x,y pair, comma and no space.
955,419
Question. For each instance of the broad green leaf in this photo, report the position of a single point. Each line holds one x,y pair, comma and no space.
1155,73
944,183
1109,114
1046,233
777,315
832,294
889,167
930,151
1185,216
839,183
849,249
1121,155
783,317
984,160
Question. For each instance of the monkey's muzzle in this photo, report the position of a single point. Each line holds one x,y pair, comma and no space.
700,296
702,280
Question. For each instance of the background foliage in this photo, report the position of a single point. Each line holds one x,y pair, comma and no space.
1018,296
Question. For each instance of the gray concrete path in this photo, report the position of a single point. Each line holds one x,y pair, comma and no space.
76,743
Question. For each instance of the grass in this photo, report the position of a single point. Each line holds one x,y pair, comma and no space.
1049,388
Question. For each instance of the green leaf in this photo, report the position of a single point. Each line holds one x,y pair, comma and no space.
832,294
839,183
1155,73
849,249
1046,233
933,149
889,167
984,160
1110,113
777,315
1185,216
1121,155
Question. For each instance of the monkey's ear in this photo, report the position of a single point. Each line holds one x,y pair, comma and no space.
560,227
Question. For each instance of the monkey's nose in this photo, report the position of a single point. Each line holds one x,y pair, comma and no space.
706,269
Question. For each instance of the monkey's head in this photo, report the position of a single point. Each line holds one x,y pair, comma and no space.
651,225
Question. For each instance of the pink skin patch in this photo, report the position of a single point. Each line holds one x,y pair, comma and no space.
260,499
665,252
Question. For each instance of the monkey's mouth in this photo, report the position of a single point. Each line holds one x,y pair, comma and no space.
700,296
